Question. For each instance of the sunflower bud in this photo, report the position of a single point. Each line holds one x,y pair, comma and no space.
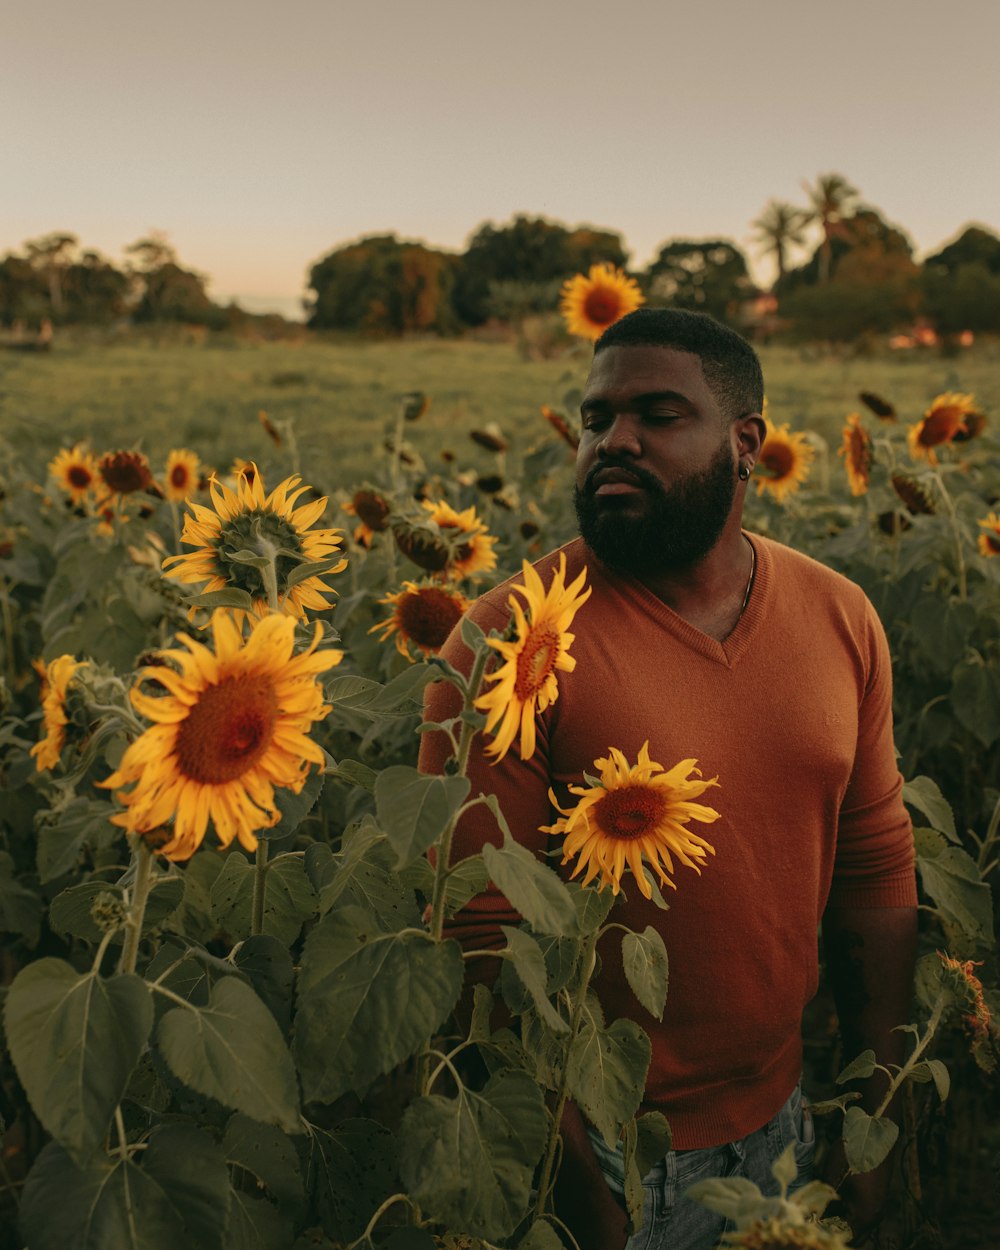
125,472
561,426
875,403
107,911
415,404
268,428
490,437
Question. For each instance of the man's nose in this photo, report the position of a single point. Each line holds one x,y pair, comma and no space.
621,437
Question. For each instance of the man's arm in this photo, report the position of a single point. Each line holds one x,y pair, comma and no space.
583,1200
870,955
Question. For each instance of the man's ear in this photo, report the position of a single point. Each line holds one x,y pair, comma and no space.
750,434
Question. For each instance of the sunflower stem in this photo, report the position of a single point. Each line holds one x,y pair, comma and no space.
397,449
588,963
175,517
922,1043
143,859
963,591
269,575
259,890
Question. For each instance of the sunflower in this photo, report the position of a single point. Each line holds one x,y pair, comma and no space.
247,519
476,554
775,1233
989,539
635,813
233,725
561,426
949,418
785,458
372,511
592,302
124,473
969,986
75,471
181,477
423,615
857,452
55,683
526,682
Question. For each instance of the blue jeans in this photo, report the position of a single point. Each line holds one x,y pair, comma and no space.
673,1222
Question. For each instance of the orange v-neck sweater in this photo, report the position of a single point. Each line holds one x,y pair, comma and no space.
792,713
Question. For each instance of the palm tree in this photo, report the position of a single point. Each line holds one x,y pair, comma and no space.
829,203
779,227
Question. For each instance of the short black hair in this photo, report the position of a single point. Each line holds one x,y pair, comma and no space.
730,365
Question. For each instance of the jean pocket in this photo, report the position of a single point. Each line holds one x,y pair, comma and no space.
798,1130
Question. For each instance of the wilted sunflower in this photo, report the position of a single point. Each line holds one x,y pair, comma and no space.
75,471
372,511
785,459
945,421
856,449
526,682
181,477
124,472
247,519
636,813
55,683
593,301
561,426
489,436
423,615
476,554
989,539
233,725
776,1234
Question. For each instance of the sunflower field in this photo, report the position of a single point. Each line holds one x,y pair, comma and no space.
232,1013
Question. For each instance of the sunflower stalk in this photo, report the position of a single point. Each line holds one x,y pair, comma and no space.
143,859
963,591
259,889
922,1043
588,964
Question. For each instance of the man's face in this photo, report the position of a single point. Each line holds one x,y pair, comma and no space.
656,466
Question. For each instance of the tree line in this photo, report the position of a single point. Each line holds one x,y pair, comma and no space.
859,277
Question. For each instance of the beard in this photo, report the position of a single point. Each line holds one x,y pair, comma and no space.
673,529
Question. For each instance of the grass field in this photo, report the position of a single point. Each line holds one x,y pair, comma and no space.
342,398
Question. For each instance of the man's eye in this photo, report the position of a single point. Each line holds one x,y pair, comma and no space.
595,422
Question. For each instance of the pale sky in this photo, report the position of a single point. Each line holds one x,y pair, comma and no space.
260,135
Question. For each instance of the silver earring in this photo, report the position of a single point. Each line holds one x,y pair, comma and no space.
743,471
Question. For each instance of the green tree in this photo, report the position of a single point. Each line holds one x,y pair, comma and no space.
961,283
95,291
705,275
162,290
779,227
381,285
51,255
830,200
24,294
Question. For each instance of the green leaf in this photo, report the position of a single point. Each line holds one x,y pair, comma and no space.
860,1068
607,1074
233,1051
177,1198
362,875
20,908
60,840
268,964
468,1161
925,795
541,1236
472,634
592,906
785,1169
289,898
465,880
933,1070
644,958
528,962
653,1139
731,1196
294,807
414,809
813,1197
267,1154
975,700
867,1140
74,1041
254,1224
229,598
368,1000
311,568
354,773
953,881
531,887
349,1172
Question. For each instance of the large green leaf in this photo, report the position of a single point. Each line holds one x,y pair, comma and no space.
867,1140
414,809
20,908
294,807
531,887
607,1074
268,964
465,880
525,958
349,1172
254,1224
368,1000
266,1152
60,839
925,795
74,1040
953,881
975,700
232,1050
289,897
644,958
363,874
71,911
178,1197
468,1161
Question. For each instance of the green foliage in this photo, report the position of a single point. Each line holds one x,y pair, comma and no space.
708,276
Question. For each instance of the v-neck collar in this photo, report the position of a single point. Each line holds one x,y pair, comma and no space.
728,652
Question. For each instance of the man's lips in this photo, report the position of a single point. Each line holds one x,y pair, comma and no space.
616,482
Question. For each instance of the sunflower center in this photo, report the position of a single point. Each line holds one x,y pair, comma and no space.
260,532
427,616
993,542
602,305
629,812
79,476
228,729
778,460
941,426
372,509
125,471
179,476
536,660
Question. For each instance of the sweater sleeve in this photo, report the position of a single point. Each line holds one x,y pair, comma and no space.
874,865
520,786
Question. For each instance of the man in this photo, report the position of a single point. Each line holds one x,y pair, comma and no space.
773,672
